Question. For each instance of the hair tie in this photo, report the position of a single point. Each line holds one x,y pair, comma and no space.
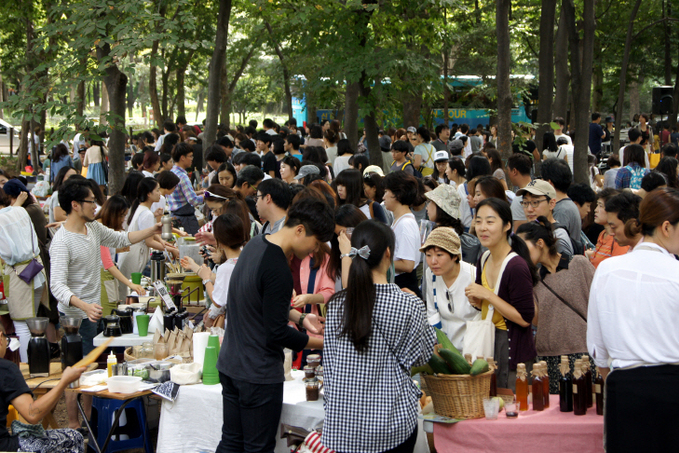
363,252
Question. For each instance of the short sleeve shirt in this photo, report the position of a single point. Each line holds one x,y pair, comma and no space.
427,152
407,235
12,385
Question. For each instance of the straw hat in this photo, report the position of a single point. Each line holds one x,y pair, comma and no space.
444,238
446,197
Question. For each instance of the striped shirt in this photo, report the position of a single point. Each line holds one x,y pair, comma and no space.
183,194
76,264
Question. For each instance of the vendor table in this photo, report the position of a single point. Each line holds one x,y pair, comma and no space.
548,431
126,340
45,385
194,421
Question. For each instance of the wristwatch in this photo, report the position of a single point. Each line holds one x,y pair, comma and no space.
300,323
206,281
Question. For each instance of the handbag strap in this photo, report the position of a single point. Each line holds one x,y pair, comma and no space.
563,300
312,283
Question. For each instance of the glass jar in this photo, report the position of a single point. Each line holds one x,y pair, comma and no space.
312,389
146,351
309,372
313,360
160,351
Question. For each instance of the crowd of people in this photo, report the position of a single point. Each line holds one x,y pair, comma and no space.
363,260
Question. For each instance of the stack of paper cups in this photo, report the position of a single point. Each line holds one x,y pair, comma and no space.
199,344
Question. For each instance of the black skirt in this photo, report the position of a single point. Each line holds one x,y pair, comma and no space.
641,410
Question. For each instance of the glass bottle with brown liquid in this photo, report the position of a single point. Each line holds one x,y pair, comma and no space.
538,394
492,366
599,392
522,387
579,389
545,382
565,386
587,370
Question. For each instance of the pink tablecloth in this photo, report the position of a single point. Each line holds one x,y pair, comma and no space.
548,431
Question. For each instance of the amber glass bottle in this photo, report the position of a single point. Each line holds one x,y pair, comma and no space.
522,387
599,392
545,382
587,370
492,366
538,394
565,386
579,389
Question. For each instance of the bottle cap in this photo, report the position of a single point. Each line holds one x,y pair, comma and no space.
521,366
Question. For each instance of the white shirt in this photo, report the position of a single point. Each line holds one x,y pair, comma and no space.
16,230
407,234
632,315
567,137
159,143
465,210
453,323
221,288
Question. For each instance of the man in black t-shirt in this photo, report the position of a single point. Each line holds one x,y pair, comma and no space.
14,391
257,312
268,157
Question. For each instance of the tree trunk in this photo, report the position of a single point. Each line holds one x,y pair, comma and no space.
666,6
597,77
634,98
199,105
504,94
351,113
560,107
153,89
286,72
130,100
370,124
104,105
80,106
181,92
95,93
675,110
165,80
446,90
224,101
115,82
412,106
546,69
581,82
215,72
623,75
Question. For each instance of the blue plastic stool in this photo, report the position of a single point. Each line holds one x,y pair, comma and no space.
103,411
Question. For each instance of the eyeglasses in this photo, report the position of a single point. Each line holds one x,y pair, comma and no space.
214,195
534,203
87,201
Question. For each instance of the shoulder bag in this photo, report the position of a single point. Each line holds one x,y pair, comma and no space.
33,267
564,301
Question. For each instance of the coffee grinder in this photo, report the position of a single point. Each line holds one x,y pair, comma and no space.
71,343
38,348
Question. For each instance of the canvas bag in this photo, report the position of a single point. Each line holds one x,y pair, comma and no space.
479,338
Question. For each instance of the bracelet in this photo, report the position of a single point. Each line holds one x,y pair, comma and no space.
206,281
301,320
346,255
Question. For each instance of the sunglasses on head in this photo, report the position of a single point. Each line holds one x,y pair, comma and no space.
214,195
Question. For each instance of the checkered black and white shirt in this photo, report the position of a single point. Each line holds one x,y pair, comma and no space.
371,403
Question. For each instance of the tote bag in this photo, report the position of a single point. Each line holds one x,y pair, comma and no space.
479,338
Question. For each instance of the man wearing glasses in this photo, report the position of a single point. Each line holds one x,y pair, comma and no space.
539,199
76,263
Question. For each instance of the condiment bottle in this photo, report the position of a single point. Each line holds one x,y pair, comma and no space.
579,389
492,366
545,382
468,358
565,386
538,389
522,387
110,361
587,370
599,392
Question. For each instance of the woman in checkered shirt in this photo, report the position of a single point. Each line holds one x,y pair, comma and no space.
374,334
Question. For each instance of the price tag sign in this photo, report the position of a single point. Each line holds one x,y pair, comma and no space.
164,295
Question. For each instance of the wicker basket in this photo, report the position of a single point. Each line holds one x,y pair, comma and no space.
459,396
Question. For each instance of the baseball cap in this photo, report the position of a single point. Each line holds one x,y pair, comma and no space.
412,129
447,198
373,169
440,156
456,145
444,238
307,170
538,187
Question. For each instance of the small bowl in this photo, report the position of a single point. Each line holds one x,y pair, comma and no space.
124,384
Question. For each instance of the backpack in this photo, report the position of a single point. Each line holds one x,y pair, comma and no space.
577,245
471,248
416,172
638,174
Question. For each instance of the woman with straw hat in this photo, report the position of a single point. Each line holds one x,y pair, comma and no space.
447,276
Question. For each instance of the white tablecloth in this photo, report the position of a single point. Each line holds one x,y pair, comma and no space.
193,423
